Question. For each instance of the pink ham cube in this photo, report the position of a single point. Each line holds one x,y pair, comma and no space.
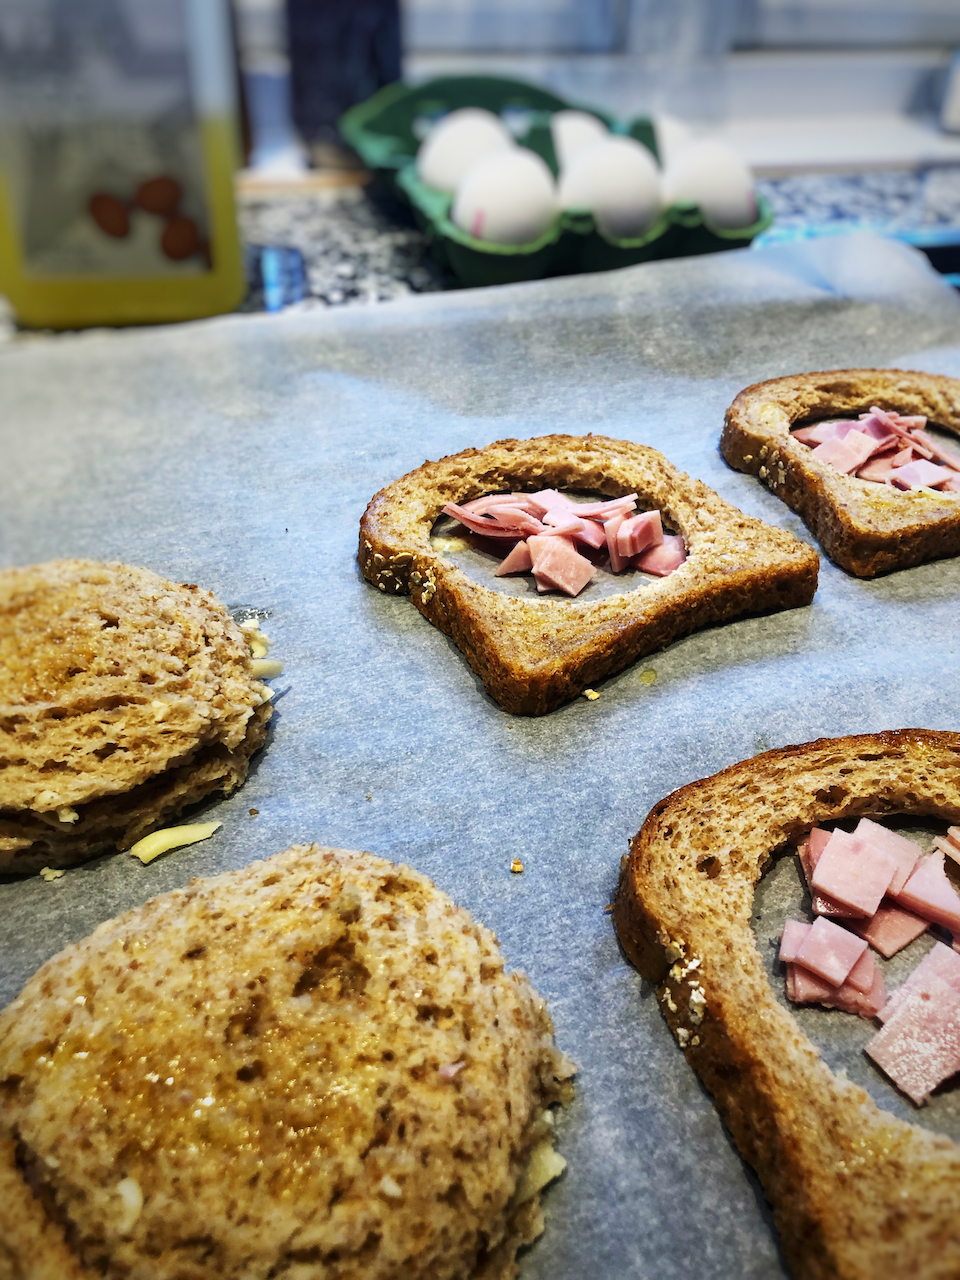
792,939
817,434
906,852
921,475
591,534
810,851
848,454
662,560
639,532
557,563
864,973
519,560
805,987
890,928
939,962
853,873
611,527
829,951
948,847
919,1045
930,894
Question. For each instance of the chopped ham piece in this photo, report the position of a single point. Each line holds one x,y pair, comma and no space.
611,528
939,962
920,475
562,524
823,905
904,851
930,894
609,507
637,533
951,486
662,560
592,534
792,938
947,847
816,434
853,873
490,527
863,974
557,563
875,429
829,951
942,453
890,928
953,835
878,469
519,560
848,454
919,1046
806,988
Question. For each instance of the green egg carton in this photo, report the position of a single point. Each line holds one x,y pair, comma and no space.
386,131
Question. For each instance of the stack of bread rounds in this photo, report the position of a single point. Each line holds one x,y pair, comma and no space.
123,698
316,1066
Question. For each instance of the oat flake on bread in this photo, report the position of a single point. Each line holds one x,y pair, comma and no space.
316,1066
124,698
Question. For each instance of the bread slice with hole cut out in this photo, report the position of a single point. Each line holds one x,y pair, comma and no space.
856,1192
865,527
535,654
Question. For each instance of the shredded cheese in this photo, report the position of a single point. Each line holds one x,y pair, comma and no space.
158,842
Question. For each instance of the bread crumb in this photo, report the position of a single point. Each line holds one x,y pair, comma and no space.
253,812
591,694
516,866
648,677
50,873
608,907
158,842
368,796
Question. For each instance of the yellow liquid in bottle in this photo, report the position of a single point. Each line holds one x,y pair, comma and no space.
43,300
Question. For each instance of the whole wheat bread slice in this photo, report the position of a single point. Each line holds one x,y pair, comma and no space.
535,654
864,527
856,1193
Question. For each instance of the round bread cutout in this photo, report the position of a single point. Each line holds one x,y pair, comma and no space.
124,697
314,1066
866,528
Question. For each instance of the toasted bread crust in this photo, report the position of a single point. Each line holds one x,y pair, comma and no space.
856,1192
535,654
866,528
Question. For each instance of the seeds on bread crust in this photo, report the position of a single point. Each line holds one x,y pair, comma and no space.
856,1192
867,529
313,1066
123,698
533,655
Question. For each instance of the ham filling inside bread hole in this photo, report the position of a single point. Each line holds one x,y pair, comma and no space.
863,917
884,447
561,542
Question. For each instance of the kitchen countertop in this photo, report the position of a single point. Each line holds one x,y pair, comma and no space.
239,453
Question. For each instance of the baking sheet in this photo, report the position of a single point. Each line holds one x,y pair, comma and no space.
240,454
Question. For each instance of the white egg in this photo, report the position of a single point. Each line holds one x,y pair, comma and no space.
671,135
571,131
712,175
617,180
459,140
507,198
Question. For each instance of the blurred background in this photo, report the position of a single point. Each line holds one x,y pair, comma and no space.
847,112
